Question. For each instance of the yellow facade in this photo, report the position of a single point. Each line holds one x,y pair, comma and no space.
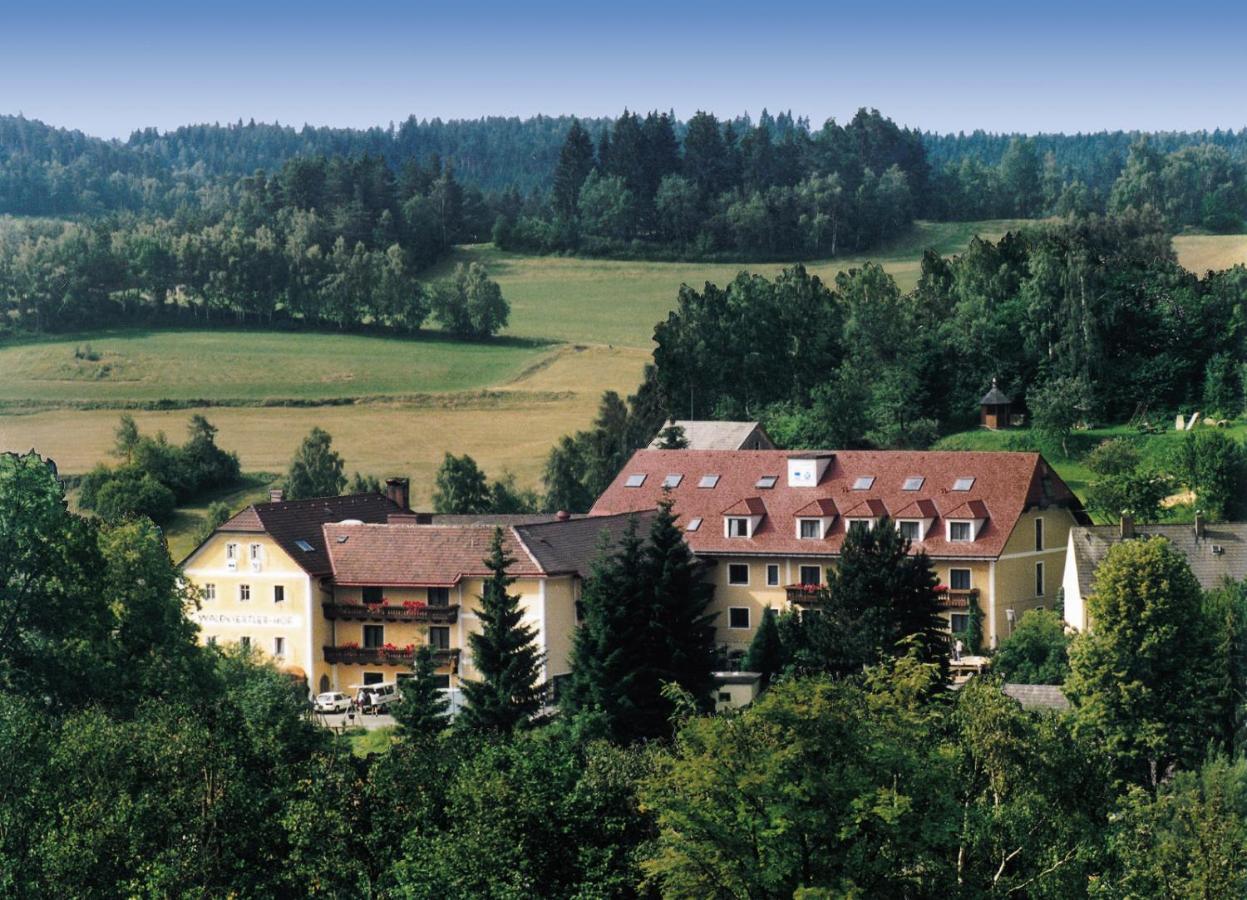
1016,585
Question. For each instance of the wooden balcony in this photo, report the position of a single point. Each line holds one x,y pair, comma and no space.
381,656
376,612
807,594
958,599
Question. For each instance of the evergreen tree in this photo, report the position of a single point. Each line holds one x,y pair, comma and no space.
504,652
574,165
766,651
421,713
316,470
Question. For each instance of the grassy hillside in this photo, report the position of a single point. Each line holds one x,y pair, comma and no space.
1203,252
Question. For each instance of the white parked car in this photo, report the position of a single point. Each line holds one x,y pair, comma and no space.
332,702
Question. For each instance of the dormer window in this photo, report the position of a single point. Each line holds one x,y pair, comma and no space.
963,484
766,482
708,481
960,531
672,481
913,483
910,528
863,482
635,481
864,523
738,527
693,524
809,529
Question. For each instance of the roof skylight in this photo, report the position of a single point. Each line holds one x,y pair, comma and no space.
963,484
913,483
693,524
863,482
767,481
708,481
672,481
635,480
304,546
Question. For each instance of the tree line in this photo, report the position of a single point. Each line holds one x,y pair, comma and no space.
137,762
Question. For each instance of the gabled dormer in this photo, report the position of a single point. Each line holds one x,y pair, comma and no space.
914,520
742,518
963,524
867,512
814,520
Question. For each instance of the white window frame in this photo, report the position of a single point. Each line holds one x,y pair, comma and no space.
693,524
244,589
635,480
728,527
279,646
209,592
255,554
748,574
279,589
910,479
969,523
772,568
708,482
969,578
849,523
231,555
1040,582
766,482
672,480
863,482
966,480
819,528
748,618
916,522
821,574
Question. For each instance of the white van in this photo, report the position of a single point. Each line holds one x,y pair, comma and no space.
374,698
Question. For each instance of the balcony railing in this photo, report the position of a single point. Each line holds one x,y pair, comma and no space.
958,599
807,594
376,612
383,656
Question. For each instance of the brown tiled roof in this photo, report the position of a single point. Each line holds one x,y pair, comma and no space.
971,509
290,521
749,506
918,509
871,508
821,508
418,555
1006,483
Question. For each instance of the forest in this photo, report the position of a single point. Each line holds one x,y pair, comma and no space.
134,761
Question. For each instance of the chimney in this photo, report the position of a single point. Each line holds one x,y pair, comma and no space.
275,495
1199,525
562,515
398,491
1127,526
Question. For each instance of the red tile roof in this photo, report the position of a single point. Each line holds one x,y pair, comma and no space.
749,506
870,508
1004,483
820,508
418,555
918,509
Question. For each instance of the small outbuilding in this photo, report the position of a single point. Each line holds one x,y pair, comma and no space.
995,408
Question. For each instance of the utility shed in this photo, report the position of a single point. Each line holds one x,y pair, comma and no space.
994,408
704,435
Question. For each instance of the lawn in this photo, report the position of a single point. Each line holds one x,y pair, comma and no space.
597,301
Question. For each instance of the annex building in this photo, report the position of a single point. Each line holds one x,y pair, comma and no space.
771,523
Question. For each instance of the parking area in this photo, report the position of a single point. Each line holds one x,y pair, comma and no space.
342,721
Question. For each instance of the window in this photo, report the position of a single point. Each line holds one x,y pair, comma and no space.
960,622
209,592
725,697
708,481
1039,534
961,531
373,678
738,617
737,527
1039,579
635,481
811,528
279,647
963,484
372,595
374,636
439,637
913,483
693,524
672,481
212,640
254,553
864,483
279,593
772,574
245,642
244,593
859,523
766,482
231,556
738,573
910,529
580,611
442,682
439,596
811,575
305,546
959,579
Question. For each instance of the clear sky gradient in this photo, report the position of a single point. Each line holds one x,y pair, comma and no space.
108,68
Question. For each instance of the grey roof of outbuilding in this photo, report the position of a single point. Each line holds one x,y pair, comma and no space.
995,397
1210,567
706,435
573,545
1037,696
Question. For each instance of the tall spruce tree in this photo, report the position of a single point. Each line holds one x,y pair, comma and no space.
574,165
766,651
504,652
610,646
421,714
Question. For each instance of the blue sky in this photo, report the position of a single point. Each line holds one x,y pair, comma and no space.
108,68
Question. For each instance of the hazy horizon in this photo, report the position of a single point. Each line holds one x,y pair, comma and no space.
1068,68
